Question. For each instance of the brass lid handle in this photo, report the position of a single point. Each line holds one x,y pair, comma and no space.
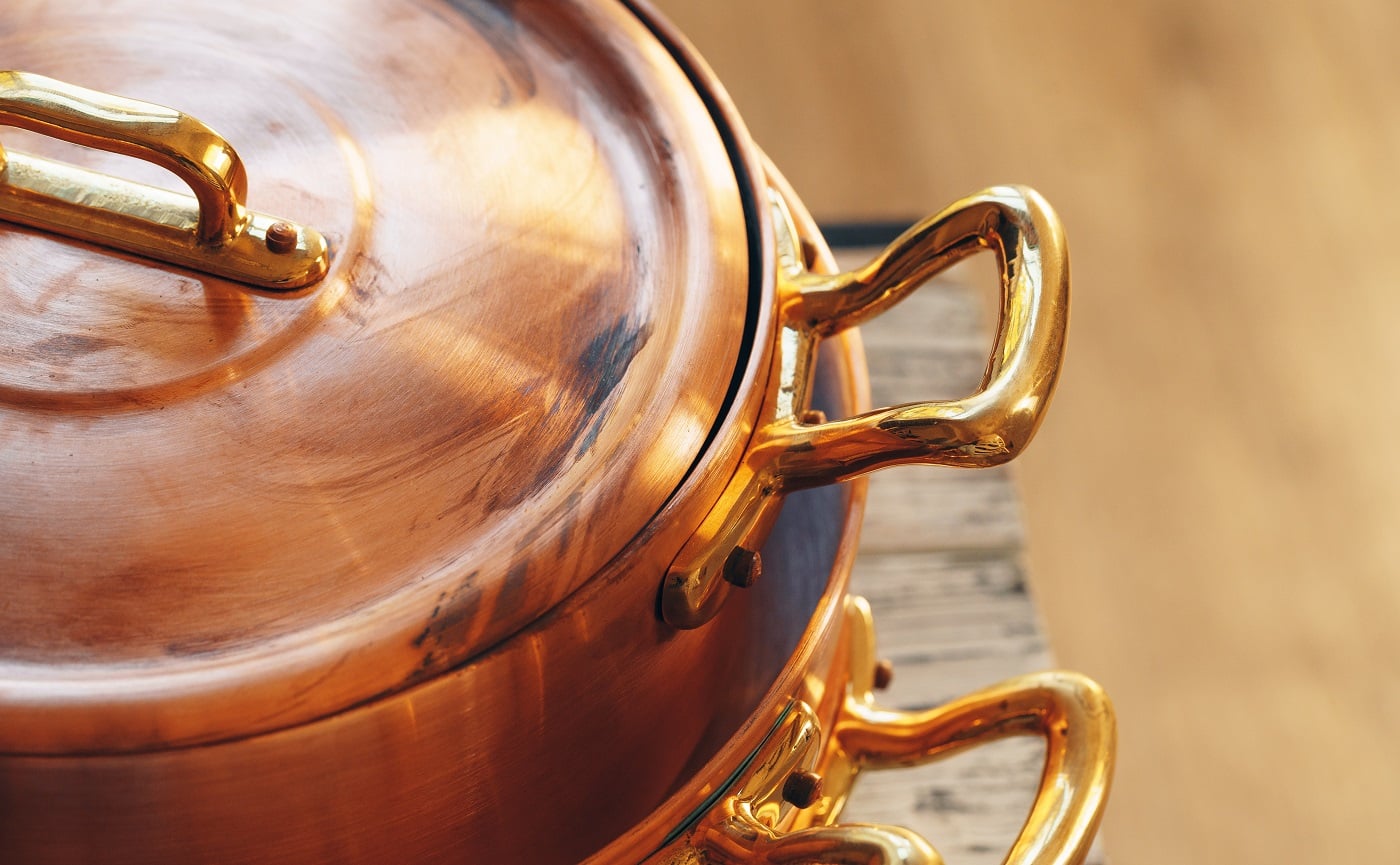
210,231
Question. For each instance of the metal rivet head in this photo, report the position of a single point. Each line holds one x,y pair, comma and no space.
813,416
743,567
281,237
802,788
884,674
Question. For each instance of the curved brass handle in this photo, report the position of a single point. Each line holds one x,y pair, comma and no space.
212,231
992,425
793,449
1068,710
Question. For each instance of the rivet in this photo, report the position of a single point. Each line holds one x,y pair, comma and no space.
884,674
281,237
743,567
813,416
802,788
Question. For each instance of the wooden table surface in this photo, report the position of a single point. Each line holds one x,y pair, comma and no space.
1212,504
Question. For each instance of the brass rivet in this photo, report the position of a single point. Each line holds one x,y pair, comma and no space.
802,788
813,416
884,674
743,567
281,237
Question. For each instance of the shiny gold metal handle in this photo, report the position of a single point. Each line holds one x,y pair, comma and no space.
211,231
754,825
984,429
795,449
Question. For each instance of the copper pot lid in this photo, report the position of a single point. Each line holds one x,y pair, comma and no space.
532,318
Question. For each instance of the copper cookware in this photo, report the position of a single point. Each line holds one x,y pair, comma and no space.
400,516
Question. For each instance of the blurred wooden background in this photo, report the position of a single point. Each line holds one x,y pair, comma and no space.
1213,504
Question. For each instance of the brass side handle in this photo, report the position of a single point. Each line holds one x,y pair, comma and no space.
794,449
210,231
755,824
994,424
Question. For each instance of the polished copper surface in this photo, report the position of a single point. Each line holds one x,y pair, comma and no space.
227,512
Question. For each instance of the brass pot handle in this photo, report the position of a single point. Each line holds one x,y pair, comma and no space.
795,449
211,231
995,423
1071,712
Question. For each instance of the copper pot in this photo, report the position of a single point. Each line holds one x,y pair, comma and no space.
399,518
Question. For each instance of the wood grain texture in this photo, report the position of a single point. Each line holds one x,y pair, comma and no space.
1211,503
